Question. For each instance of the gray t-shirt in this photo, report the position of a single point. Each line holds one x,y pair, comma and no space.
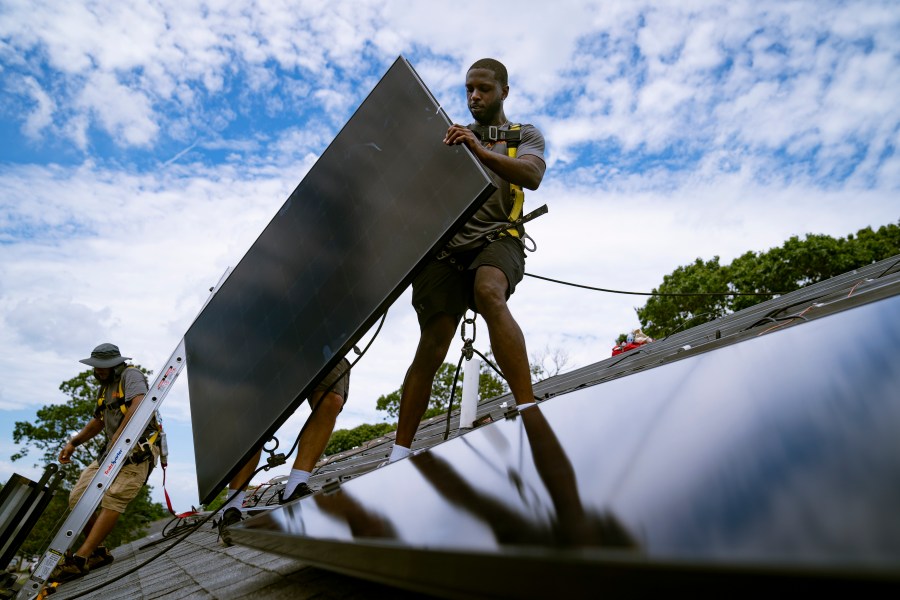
496,210
134,383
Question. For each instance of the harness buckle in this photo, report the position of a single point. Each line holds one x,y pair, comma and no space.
493,133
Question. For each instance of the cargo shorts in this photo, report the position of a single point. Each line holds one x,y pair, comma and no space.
123,489
448,285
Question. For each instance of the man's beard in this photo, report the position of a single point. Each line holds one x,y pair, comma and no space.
488,112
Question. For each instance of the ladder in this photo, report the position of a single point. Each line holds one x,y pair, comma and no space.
113,462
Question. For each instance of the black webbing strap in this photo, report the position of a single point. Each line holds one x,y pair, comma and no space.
500,231
493,133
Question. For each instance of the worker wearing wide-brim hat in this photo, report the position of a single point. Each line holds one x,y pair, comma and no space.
122,387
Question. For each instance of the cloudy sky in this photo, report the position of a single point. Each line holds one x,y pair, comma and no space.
147,144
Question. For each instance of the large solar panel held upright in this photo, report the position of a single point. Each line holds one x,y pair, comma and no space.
386,194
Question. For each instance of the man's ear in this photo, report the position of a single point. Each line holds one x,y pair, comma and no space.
505,92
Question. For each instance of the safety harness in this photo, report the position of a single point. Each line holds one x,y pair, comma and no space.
143,450
512,137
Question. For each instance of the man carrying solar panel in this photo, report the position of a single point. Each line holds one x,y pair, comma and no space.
483,262
326,402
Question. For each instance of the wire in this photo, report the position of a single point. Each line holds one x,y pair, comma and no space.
597,289
462,355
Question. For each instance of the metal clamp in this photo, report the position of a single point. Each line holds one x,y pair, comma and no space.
468,350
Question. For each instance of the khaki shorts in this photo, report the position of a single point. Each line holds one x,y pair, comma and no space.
124,488
340,378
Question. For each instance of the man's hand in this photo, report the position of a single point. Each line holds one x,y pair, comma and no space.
457,134
65,455
526,171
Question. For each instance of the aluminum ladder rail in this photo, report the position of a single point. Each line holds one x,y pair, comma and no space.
106,474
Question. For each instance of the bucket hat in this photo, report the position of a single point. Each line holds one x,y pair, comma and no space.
105,356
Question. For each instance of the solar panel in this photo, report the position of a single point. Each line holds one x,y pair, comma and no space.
766,462
385,195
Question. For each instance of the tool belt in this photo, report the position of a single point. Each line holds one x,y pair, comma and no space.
141,453
462,259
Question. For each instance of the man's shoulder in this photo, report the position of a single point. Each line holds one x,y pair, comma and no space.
133,376
132,372
532,141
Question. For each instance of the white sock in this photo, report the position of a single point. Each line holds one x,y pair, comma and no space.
398,452
296,478
236,502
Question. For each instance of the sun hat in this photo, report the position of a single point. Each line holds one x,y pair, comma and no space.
105,356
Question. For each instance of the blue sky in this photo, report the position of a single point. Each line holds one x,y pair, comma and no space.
147,144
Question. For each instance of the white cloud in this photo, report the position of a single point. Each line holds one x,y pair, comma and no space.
736,91
126,114
42,115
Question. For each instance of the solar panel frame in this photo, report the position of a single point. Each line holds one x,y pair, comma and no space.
325,268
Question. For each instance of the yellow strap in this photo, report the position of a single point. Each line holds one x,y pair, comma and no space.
121,392
515,191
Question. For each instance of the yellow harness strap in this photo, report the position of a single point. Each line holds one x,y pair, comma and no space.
515,191
118,394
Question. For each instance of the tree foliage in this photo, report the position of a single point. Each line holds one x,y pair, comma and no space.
795,264
56,423
347,439
489,386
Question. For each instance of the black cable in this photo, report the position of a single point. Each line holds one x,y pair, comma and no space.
456,379
686,321
462,355
888,269
597,289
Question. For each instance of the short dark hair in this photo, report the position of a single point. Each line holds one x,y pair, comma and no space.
494,66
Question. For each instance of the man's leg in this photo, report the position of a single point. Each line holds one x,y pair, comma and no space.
90,525
239,483
234,498
318,431
326,408
434,341
507,341
102,526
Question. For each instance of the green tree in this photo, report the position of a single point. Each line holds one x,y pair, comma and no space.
347,439
56,423
795,264
489,386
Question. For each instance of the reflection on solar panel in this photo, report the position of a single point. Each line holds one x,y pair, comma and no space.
769,462
383,196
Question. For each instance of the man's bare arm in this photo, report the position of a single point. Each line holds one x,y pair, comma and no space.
93,427
526,171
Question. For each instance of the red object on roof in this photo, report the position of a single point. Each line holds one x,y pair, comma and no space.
625,348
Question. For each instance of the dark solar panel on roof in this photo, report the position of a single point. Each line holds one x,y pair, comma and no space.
740,465
383,196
